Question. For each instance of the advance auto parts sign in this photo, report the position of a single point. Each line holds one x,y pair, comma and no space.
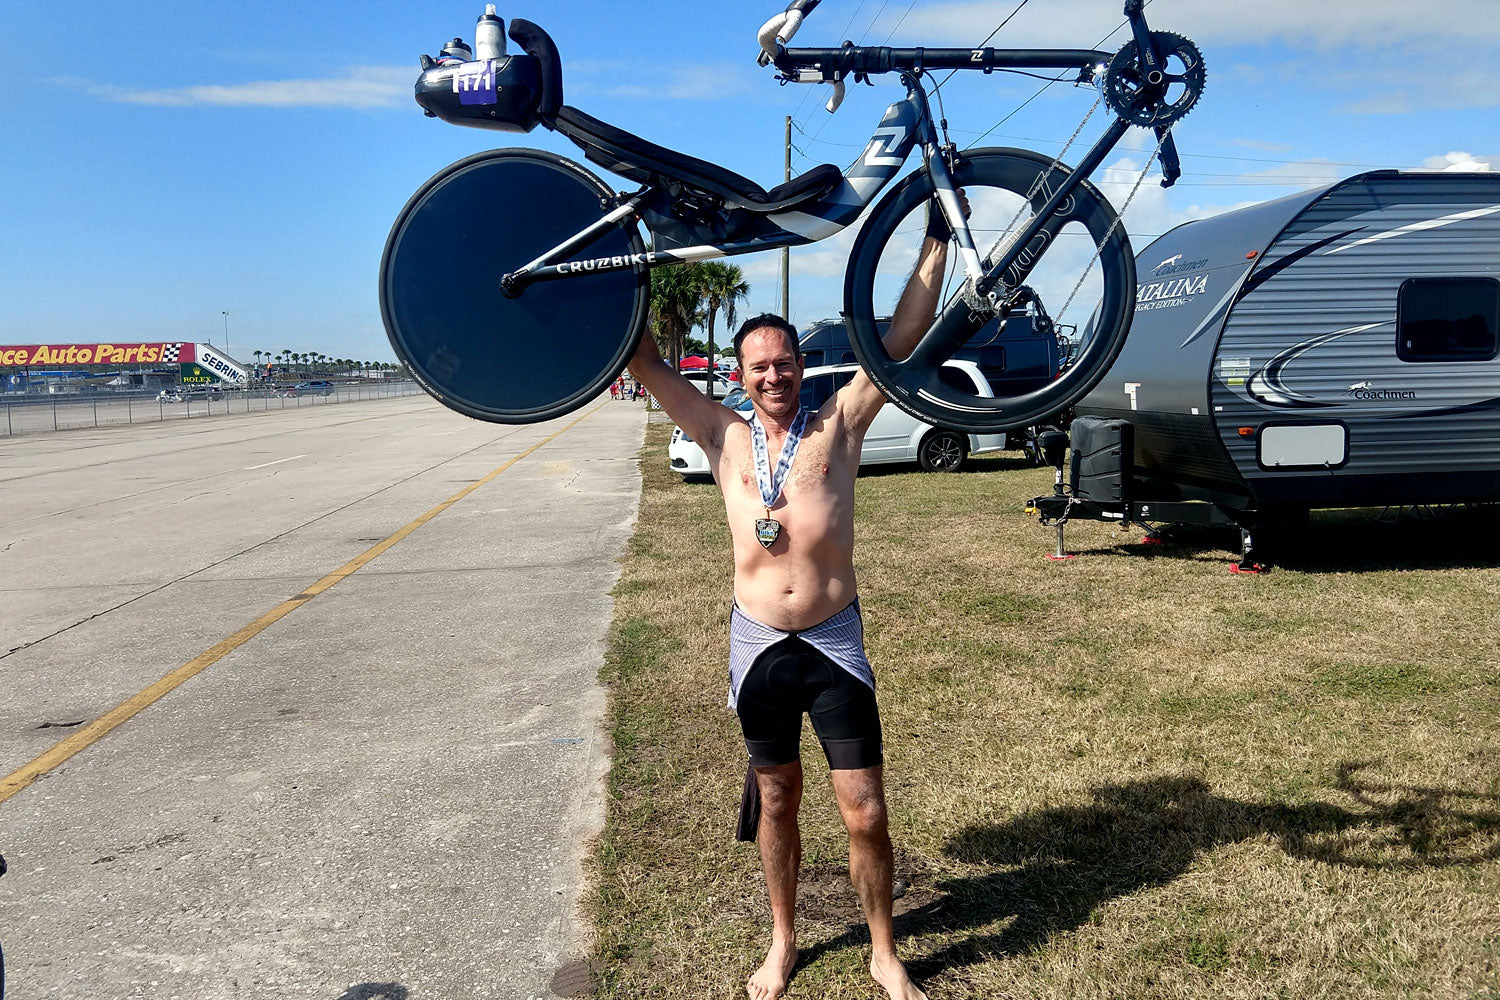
60,355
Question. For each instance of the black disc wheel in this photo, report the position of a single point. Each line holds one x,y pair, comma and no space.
546,351
1092,298
943,451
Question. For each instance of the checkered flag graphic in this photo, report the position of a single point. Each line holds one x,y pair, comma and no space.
169,352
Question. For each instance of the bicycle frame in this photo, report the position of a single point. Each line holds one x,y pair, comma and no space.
449,318
905,124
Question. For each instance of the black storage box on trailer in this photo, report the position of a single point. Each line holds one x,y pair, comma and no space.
1102,450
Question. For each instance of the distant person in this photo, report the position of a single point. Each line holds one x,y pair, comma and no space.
796,642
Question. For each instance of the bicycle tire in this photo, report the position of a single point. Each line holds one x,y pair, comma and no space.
917,388
534,357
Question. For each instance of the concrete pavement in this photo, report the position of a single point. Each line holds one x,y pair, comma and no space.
384,791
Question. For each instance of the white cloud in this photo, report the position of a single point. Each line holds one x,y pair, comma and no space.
1455,160
1081,23
360,87
1390,56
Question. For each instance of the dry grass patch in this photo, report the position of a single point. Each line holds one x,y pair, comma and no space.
1131,775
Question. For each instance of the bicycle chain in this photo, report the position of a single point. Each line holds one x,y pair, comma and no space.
980,303
1119,217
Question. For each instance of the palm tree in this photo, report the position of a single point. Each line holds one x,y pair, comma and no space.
723,286
676,292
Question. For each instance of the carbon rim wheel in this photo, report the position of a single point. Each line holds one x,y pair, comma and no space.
996,182
942,451
531,358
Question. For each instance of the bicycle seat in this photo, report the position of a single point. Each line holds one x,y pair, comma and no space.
643,161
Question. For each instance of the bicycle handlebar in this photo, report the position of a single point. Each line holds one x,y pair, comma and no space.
779,30
837,63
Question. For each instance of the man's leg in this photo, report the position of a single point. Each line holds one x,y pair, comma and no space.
861,798
781,856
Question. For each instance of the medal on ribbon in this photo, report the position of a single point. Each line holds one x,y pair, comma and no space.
768,529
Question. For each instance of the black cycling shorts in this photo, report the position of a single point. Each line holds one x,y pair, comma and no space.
792,677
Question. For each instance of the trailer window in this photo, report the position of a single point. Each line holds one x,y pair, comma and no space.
1448,319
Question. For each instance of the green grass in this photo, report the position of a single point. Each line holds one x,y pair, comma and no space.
1133,774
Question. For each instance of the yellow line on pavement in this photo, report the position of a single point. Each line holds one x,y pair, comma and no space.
95,731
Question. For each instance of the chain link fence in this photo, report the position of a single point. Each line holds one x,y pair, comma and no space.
38,413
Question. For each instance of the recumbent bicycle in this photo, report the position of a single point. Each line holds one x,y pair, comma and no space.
504,257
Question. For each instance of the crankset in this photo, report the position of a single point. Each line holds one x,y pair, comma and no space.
1161,103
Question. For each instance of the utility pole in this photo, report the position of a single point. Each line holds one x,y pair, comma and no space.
226,329
786,252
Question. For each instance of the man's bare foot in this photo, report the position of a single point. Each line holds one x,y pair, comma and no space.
769,981
890,973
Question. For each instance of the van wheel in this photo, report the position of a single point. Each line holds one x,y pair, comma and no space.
943,451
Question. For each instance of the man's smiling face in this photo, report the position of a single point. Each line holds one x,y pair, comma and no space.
771,370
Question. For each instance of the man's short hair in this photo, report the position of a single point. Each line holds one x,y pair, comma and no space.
765,321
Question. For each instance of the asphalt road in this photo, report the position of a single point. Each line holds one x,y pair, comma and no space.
365,775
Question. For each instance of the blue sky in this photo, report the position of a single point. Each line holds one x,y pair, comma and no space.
167,161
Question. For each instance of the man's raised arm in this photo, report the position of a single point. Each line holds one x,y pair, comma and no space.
703,419
860,400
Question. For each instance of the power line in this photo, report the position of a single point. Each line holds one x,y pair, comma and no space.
808,92
1038,140
902,20
987,38
863,34
1046,86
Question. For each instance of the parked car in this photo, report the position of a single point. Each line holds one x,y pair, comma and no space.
894,436
316,388
1015,361
699,377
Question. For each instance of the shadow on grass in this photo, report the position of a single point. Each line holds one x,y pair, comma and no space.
1064,863
1345,541
375,991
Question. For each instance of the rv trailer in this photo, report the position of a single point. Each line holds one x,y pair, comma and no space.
1335,348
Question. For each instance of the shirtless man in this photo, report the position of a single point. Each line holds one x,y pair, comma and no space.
795,637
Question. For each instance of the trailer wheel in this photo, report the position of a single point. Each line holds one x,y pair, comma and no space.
943,451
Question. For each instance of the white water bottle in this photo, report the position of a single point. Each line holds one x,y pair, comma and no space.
489,35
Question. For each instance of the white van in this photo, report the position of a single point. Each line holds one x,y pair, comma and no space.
894,436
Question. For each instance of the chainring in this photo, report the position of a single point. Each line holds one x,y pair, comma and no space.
1182,66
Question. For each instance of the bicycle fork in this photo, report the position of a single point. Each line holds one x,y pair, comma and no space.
980,297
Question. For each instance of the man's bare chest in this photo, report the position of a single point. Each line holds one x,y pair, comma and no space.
814,469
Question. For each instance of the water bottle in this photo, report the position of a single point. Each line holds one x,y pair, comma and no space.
489,35
456,51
